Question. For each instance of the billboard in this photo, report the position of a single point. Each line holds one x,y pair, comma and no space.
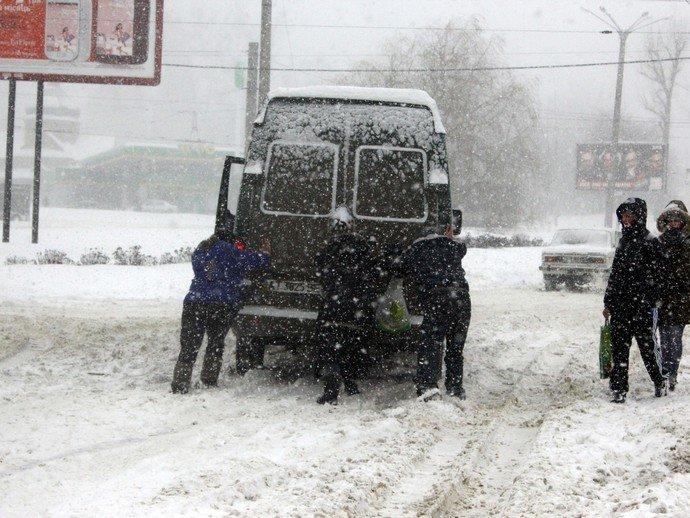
82,41
629,166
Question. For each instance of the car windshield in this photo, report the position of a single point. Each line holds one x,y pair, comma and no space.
390,183
300,179
599,238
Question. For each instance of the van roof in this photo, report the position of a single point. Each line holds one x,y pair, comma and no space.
358,93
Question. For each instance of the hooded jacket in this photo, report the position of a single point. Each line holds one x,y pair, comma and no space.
345,268
635,285
434,261
220,269
675,246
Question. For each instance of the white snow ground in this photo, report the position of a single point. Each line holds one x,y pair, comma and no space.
87,426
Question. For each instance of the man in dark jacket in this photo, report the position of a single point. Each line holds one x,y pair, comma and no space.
674,314
632,298
220,265
344,268
434,264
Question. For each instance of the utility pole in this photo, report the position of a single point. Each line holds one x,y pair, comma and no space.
252,79
618,99
265,53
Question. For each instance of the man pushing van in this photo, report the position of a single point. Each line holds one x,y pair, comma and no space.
345,268
434,263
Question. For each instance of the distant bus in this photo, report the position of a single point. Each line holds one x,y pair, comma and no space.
379,152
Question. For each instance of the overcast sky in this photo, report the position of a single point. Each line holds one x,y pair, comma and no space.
205,105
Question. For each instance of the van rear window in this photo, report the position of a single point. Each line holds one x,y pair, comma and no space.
300,179
390,183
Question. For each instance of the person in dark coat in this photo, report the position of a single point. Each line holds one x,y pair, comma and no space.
344,268
674,227
221,264
434,264
632,298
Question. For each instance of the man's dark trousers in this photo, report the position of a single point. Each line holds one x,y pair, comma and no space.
199,318
623,329
446,313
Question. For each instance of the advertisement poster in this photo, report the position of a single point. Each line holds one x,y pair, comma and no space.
630,166
22,25
115,28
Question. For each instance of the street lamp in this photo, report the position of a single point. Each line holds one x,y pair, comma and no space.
616,123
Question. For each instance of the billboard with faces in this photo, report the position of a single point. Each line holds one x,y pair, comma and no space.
629,166
84,41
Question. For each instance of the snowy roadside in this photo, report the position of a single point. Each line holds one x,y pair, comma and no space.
510,267
76,231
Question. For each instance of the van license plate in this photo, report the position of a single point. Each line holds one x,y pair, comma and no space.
311,288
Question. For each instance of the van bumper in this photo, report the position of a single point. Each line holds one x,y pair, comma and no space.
277,322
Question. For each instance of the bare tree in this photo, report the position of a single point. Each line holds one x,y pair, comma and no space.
489,116
663,74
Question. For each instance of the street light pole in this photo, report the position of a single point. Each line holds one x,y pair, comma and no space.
618,99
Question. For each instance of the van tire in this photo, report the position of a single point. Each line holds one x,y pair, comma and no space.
249,354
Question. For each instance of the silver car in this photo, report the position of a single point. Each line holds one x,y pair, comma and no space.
578,256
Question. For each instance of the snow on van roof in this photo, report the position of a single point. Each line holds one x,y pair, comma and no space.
358,93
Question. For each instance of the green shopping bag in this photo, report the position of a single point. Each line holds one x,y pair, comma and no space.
392,315
605,351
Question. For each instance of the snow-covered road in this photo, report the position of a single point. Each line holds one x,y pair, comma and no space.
88,428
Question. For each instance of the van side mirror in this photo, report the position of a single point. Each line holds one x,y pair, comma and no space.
223,216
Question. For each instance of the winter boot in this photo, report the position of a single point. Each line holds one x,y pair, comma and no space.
182,377
672,383
351,388
428,394
457,392
618,397
332,380
660,390
210,370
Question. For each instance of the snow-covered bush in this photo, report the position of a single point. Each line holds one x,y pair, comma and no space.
133,257
51,256
180,255
94,256
496,241
15,259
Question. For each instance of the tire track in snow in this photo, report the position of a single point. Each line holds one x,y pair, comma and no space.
473,468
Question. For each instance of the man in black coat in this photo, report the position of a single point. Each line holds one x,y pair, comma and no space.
345,268
632,298
434,264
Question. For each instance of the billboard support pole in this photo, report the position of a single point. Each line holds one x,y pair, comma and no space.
9,150
37,162
252,77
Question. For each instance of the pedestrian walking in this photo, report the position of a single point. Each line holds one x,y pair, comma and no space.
221,264
345,268
434,265
632,298
674,314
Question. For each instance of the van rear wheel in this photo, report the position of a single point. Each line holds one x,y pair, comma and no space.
249,354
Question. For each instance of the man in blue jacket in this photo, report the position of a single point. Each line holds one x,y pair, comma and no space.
220,265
